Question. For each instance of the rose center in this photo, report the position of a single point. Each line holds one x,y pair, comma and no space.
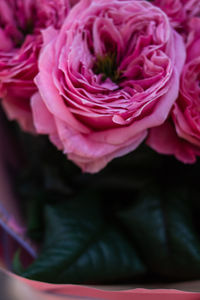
27,30
29,27
107,66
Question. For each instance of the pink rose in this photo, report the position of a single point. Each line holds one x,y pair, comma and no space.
182,134
21,22
174,9
179,11
108,75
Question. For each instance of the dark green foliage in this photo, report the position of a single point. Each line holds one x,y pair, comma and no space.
161,224
136,219
82,245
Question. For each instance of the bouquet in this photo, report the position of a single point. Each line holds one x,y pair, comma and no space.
104,159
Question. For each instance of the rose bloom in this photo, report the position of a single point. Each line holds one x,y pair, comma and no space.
21,22
180,135
108,75
179,11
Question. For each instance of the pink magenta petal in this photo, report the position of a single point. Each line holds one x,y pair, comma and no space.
41,115
165,140
16,112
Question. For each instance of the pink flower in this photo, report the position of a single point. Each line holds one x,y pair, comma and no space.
21,22
182,134
179,11
108,75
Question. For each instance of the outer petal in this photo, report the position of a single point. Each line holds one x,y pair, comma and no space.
93,166
50,95
43,120
18,112
165,140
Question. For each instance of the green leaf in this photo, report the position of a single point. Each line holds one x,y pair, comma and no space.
162,225
17,266
83,246
35,207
